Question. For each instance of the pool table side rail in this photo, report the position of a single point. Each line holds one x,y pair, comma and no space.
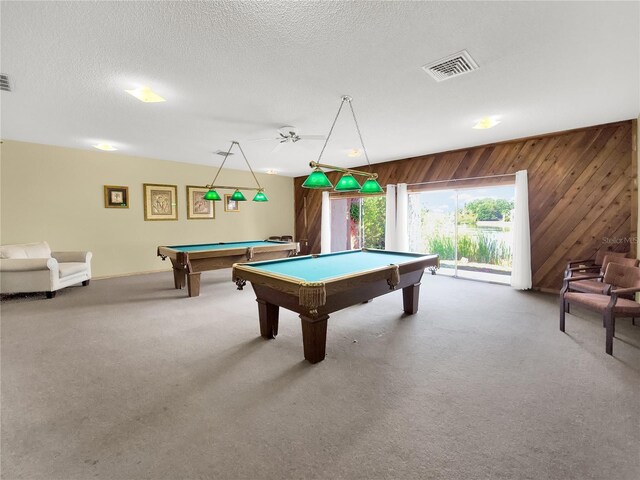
224,245
230,252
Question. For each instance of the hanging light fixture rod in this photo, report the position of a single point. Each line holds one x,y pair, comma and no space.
313,164
226,155
248,165
237,195
226,187
318,180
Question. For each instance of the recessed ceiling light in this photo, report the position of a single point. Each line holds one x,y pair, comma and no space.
486,122
107,147
354,152
145,94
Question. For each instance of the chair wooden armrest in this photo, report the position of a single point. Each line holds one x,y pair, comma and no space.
586,262
582,277
624,291
594,268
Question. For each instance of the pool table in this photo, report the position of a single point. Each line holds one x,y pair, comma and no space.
190,260
316,285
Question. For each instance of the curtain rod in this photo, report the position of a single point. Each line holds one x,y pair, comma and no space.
463,179
355,195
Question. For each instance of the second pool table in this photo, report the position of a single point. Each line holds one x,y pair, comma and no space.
189,261
316,285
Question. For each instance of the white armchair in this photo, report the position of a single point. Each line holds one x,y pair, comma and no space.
33,267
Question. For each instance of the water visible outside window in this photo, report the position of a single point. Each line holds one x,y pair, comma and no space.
357,223
469,228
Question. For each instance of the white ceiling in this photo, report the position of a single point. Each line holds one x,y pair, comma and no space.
239,70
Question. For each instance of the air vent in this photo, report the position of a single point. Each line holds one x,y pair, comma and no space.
451,66
4,82
223,154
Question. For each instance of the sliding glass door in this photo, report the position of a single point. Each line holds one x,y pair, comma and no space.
357,223
469,228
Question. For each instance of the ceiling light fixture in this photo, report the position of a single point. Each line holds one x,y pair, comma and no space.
354,152
107,147
318,179
237,195
486,122
145,94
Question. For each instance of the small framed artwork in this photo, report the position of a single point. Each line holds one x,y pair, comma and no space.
116,197
230,205
160,202
197,206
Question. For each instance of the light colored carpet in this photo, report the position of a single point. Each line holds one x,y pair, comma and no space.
130,379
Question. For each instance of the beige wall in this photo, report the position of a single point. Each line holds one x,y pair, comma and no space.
56,194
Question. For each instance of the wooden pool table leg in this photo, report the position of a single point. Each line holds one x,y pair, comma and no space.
193,284
178,277
178,273
268,314
410,298
314,337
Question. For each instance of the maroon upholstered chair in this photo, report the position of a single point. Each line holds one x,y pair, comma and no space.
624,281
596,285
592,265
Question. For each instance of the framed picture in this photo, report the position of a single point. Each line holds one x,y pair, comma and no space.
197,206
160,202
230,205
116,197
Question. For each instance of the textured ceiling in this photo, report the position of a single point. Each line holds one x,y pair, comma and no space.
239,70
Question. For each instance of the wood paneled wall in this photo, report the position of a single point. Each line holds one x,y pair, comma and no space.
582,193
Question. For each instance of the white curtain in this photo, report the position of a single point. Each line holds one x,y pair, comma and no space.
390,222
521,270
325,226
402,218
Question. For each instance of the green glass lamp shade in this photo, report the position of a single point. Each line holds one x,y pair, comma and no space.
238,196
347,184
370,187
212,195
318,180
260,197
